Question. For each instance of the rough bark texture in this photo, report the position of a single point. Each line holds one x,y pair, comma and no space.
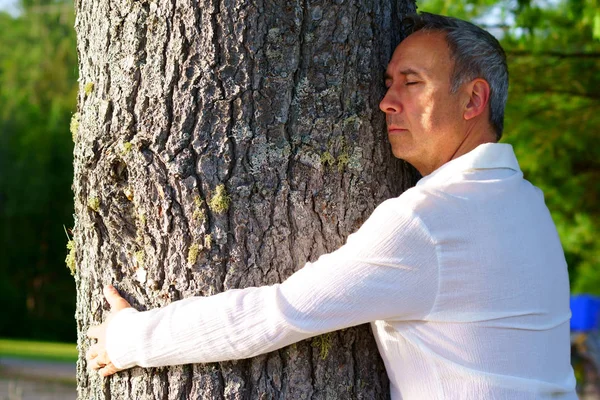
222,144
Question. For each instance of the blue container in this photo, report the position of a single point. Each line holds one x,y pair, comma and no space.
585,311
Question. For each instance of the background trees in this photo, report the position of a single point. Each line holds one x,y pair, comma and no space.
38,73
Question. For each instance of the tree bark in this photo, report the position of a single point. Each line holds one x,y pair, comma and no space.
223,144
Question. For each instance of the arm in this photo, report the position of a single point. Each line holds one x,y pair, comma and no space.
387,270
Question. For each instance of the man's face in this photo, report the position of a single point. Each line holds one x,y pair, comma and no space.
423,117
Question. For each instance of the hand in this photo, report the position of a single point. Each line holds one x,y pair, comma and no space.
96,356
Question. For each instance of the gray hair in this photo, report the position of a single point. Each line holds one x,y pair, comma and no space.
476,54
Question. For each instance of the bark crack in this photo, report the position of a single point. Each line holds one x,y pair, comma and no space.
140,51
161,140
300,67
216,39
221,378
231,142
355,369
164,377
188,381
349,60
129,383
312,365
284,373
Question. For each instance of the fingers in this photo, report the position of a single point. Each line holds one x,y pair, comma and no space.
96,357
108,369
96,364
96,331
98,361
92,353
117,303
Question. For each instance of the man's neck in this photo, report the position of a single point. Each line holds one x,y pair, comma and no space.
473,138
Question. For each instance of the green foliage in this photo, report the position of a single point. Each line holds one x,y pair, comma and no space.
38,88
553,111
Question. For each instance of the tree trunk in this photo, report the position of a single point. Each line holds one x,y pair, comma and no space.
223,144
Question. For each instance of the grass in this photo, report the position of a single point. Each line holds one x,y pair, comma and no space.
38,350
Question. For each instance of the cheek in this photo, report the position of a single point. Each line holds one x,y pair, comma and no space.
444,112
428,115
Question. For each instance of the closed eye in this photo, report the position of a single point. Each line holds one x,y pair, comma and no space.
411,83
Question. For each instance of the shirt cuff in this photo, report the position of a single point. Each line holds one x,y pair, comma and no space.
122,337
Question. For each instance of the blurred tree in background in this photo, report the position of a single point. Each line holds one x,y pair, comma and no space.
38,88
553,110
552,119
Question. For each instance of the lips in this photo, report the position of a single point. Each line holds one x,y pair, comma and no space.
395,130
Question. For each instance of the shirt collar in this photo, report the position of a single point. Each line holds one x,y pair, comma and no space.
484,156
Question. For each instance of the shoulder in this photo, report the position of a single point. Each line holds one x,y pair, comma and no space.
425,212
395,234
404,216
416,202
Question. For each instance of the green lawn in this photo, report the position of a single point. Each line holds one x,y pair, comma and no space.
38,350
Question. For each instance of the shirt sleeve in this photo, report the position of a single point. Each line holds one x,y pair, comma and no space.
387,270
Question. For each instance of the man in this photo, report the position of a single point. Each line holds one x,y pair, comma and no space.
462,277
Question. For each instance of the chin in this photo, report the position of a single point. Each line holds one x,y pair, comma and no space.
401,155
399,150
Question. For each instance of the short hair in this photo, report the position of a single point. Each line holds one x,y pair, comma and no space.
476,54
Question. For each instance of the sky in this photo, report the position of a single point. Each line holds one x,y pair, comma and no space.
9,5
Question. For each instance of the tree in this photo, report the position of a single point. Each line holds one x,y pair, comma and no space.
222,145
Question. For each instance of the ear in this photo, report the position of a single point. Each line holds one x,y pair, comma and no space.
479,96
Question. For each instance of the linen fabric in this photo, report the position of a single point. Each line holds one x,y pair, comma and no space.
462,278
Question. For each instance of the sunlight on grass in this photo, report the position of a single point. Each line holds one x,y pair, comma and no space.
38,350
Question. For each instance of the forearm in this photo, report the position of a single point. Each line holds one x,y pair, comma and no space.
232,325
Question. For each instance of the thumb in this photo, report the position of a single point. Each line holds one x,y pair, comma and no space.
117,303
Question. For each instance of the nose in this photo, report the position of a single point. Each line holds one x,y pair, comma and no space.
390,104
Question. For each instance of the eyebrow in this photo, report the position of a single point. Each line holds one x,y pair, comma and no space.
407,71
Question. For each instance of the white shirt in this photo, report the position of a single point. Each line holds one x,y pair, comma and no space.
462,277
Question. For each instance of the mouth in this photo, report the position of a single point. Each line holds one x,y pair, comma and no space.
392,130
